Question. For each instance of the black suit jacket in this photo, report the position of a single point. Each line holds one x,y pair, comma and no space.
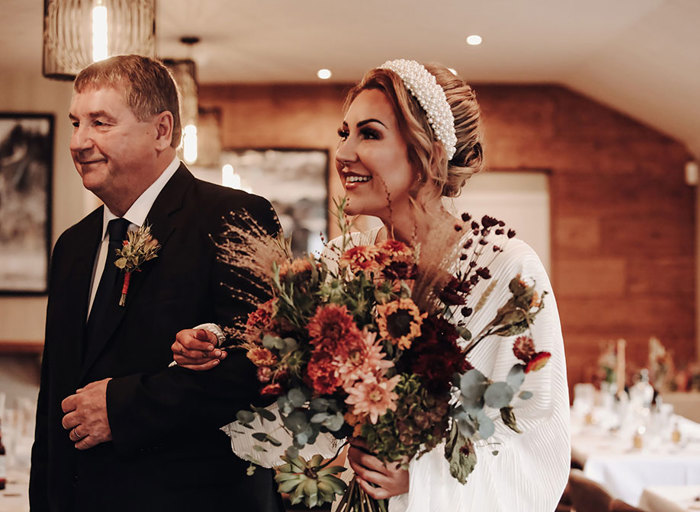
167,451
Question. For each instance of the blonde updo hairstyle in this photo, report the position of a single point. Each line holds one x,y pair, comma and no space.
436,176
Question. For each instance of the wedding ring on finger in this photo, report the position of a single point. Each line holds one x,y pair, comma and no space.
74,436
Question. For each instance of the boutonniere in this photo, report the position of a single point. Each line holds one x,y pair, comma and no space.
139,248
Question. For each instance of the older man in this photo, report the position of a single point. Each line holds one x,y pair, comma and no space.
116,428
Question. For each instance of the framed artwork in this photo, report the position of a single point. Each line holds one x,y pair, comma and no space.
26,167
295,181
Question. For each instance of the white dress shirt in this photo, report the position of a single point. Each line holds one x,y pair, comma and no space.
136,215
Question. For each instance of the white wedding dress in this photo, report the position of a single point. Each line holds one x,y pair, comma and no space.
531,469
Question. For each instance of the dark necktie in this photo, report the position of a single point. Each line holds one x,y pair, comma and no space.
107,298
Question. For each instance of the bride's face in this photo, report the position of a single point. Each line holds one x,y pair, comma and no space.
372,158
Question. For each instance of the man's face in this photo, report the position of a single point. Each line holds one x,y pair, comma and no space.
114,153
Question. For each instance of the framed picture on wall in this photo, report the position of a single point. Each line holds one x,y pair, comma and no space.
26,167
295,181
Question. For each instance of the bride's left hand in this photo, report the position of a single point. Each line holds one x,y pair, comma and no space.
381,480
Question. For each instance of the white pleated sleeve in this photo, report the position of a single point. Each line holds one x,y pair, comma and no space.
530,471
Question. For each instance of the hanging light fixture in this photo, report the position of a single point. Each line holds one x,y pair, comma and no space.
184,72
80,32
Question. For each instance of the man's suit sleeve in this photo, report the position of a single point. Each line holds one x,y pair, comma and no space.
143,408
39,472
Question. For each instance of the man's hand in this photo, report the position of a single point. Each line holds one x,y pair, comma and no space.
86,415
196,349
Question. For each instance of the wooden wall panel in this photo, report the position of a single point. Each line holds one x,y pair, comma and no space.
623,222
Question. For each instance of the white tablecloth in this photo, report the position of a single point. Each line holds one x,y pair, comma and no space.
670,498
611,459
15,496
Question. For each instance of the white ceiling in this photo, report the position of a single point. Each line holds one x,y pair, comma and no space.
641,57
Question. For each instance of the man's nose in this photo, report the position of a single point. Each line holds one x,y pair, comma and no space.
81,139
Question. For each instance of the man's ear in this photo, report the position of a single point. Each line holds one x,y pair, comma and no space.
164,130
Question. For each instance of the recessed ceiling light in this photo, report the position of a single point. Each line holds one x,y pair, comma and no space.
324,74
473,40
453,71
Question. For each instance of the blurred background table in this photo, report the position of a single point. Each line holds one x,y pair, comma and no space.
628,458
685,404
15,496
670,498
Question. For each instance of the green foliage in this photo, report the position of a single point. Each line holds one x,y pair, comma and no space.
460,453
417,425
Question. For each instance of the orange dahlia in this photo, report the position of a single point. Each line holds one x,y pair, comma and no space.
396,251
261,356
259,320
331,324
321,372
363,258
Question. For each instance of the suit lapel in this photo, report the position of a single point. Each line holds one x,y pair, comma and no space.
77,295
161,220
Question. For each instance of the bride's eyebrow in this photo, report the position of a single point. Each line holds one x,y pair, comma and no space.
371,120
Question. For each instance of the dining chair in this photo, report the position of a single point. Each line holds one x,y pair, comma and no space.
622,506
587,495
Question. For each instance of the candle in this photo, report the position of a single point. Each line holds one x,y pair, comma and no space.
620,370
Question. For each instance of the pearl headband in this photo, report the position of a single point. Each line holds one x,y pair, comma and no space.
424,87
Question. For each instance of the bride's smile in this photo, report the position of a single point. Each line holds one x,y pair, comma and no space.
372,158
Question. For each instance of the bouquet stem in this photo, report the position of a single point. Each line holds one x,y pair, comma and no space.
356,499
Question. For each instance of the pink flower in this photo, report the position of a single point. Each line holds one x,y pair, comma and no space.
264,374
373,397
363,361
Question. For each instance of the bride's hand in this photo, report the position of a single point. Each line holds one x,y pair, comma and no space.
379,479
196,349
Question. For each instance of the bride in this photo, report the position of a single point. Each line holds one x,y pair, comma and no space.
412,135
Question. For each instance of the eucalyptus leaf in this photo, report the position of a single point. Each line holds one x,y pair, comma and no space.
335,422
319,404
259,448
245,417
498,395
467,426
265,413
320,417
273,441
473,384
290,344
525,395
516,376
301,439
296,397
270,342
284,405
296,421
486,425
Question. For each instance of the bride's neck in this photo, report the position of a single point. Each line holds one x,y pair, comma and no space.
414,225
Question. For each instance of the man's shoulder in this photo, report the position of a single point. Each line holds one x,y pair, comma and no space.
220,200
90,222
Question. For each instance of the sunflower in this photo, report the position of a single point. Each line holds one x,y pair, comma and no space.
400,321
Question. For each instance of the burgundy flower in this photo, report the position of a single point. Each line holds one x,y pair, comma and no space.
435,356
